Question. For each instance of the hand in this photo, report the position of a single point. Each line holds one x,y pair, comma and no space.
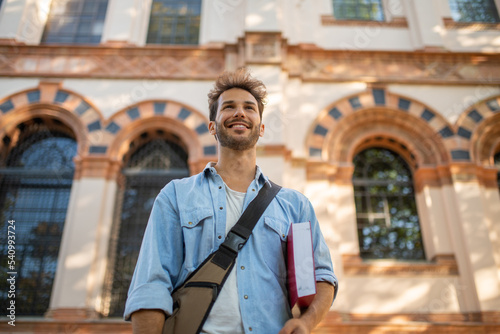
295,326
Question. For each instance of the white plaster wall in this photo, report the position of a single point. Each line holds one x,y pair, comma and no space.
363,38
272,117
491,198
433,222
9,86
449,101
103,235
306,101
381,295
263,15
472,212
127,21
110,96
23,20
464,40
222,21
75,278
272,167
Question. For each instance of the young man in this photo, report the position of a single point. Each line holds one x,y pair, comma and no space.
191,217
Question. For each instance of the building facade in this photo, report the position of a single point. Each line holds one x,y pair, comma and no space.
385,113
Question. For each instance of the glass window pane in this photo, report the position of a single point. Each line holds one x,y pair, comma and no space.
35,185
474,11
370,10
75,22
174,22
146,172
388,225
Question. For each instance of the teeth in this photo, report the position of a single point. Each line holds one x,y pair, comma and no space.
239,126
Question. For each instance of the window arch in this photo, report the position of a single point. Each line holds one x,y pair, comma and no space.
155,159
35,186
387,220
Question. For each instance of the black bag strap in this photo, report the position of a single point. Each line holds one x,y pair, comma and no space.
241,231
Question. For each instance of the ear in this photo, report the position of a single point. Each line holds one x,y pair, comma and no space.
211,127
262,127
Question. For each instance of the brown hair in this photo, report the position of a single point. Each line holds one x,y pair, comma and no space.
242,79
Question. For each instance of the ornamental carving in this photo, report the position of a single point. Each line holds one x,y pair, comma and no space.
111,62
403,67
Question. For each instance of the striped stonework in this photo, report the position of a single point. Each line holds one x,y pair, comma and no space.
479,129
49,99
103,141
186,123
378,112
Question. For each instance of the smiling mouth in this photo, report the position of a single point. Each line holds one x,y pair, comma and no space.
238,126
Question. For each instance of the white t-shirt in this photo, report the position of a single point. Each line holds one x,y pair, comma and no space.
225,316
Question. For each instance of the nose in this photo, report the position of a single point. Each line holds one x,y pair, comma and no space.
239,112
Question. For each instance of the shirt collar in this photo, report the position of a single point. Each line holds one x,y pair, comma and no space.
260,178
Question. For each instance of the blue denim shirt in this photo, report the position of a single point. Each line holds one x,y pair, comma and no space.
187,223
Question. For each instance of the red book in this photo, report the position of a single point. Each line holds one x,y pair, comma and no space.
300,265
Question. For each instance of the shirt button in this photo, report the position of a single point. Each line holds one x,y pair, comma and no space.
190,223
283,235
242,267
245,296
220,237
252,190
221,208
220,187
250,329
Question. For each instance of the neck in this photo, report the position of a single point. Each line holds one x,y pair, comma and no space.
237,168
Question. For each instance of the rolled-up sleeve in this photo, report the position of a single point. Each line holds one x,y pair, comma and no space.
160,258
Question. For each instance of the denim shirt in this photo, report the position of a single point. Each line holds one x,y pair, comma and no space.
187,223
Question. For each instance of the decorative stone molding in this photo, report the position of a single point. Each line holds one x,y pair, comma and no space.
396,22
72,314
274,150
449,23
308,62
434,177
111,61
97,166
263,48
431,322
441,265
423,67
468,172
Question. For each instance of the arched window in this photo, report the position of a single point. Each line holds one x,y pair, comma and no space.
35,185
156,159
386,212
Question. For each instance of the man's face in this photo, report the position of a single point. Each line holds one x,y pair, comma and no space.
237,124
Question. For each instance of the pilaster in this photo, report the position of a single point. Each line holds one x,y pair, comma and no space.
82,258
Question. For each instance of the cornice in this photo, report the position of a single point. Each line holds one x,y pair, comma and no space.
304,61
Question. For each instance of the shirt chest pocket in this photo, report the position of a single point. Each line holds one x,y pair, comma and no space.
198,232
274,238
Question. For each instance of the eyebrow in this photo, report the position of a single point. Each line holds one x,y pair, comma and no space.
232,101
